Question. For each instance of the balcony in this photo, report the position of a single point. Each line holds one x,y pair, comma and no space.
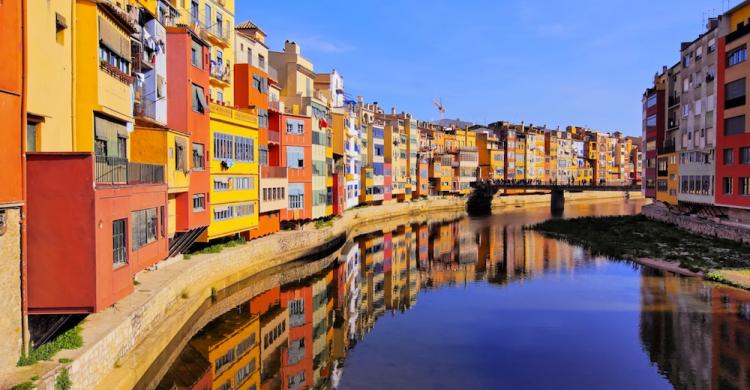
217,34
273,172
673,101
273,136
274,105
220,74
231,113
119,171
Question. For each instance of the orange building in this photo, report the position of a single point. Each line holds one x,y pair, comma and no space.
295,153
254,78
12,175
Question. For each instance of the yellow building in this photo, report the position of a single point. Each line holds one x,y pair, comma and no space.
234,133
231,346
234,172
667,183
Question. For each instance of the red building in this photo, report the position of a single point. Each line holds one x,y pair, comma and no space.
297,358
190,221
91,228
654,126
732,128
294,152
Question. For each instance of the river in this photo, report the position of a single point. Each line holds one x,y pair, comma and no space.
474,303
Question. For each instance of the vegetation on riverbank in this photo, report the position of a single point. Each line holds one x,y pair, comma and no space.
71,339
632,237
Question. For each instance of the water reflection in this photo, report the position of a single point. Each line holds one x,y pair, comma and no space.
562,319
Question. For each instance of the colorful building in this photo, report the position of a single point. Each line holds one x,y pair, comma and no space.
254,80
13,106
174,131
86,165
732,131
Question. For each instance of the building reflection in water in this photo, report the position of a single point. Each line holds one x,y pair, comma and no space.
297,336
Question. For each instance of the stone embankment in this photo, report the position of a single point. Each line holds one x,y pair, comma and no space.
122,342
707,226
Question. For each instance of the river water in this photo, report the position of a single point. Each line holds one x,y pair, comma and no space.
465,304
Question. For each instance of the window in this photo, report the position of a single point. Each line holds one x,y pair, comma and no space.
295,157
712,45
199,99
651,121
295,126
119,245
728,156
745,186
745,155
728,185
685,110
262,118
223,146
296,196
244,149
224,360
243,210
651,101
144,224
222,213
198,157
179,154
737,56
244,372
196,55
261,62
734,94
32,129
207,16
199,202
734,125
257,83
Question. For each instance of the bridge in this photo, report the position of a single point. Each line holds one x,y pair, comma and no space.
480,199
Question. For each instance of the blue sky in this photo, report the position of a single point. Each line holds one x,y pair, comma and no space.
580,62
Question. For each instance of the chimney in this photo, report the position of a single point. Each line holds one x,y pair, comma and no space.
359,100
291,47
393,111
712,23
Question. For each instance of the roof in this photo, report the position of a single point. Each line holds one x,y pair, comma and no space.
248,25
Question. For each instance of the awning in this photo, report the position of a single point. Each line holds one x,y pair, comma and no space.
201,99
220,179
113,39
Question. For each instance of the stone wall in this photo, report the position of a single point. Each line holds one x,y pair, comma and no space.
11,318
700,225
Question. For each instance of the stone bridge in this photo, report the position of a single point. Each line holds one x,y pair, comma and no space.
480,199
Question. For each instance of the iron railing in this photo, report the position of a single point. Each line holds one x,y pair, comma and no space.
118,170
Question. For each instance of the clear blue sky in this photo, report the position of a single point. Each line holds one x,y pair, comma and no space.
581,62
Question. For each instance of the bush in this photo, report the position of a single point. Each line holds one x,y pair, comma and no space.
71,339
28,385
63,382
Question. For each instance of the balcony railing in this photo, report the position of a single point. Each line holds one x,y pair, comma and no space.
273,136
118,170
273,172
674,100
220,71
274,105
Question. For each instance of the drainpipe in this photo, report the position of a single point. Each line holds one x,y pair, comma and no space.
25,347
73,6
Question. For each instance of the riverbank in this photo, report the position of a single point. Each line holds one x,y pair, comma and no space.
121,342
650,242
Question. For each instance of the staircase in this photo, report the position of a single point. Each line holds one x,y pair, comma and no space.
181,242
